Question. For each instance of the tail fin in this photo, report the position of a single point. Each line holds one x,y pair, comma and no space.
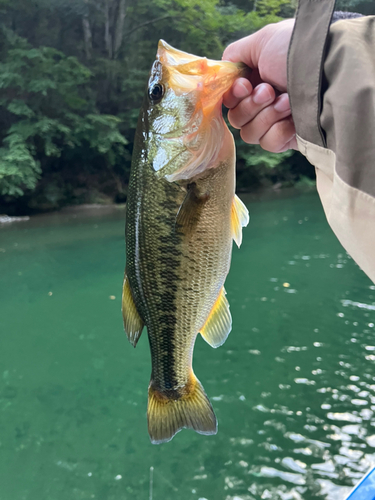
166,416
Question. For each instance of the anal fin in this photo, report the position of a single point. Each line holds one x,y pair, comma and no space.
219,323
133,323
240,218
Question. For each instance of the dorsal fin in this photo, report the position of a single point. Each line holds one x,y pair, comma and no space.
219,323
240,219
133,323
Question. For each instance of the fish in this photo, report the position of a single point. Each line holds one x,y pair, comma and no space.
181,218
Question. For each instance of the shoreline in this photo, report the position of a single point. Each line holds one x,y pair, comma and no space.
88,210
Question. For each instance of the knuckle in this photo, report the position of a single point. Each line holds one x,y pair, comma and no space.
247,106
247,134
268,146
265,118
233,120
280,131
243,135
275,139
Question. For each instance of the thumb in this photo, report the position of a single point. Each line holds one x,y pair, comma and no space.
246,50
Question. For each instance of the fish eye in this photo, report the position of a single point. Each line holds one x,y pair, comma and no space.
156,92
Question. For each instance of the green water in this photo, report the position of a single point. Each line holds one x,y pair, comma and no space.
293,387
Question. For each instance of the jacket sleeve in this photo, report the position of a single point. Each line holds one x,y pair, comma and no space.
331,83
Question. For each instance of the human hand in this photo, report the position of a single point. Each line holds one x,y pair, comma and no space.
263,117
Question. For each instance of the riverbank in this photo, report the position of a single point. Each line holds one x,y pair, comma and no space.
73,212
87,210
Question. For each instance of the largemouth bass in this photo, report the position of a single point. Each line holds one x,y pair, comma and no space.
182,215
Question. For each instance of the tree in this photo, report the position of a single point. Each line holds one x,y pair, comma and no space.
46,109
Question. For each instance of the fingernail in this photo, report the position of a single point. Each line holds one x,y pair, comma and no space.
282,104
240,90
261,94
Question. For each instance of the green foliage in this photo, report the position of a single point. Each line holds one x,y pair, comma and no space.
257,167
366,7
18,167
47,107
72,78
270,7
257,157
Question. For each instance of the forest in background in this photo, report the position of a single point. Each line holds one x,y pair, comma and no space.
72,78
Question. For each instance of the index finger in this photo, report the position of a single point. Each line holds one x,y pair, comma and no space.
245,50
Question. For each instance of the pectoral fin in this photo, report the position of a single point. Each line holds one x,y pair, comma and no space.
133,323
240,219
191,209
219,323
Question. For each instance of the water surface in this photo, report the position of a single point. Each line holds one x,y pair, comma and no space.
293,387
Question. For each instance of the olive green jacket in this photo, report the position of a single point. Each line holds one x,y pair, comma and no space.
331,83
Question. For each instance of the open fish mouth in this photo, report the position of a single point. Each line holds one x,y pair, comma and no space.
191,73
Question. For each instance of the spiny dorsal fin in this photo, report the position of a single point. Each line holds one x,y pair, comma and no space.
133,323
166,415
219,323
240,219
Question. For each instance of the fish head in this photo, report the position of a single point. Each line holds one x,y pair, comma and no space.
185,127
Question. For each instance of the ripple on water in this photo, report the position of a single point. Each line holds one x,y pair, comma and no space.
338,456
332,491
294,465
361,305
305,381
326,468
346,416
359,402
370,440
285,476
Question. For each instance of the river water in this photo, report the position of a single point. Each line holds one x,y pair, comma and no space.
293,387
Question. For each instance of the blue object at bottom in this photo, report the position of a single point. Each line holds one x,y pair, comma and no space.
365,490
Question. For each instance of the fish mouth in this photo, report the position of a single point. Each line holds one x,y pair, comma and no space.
187,73
170,56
